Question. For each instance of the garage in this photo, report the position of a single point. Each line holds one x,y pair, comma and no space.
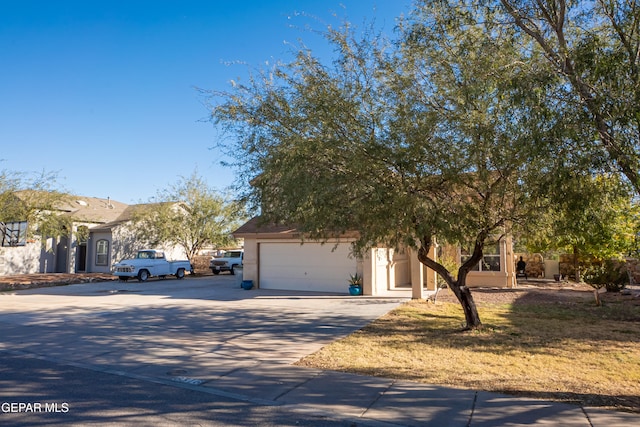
307,267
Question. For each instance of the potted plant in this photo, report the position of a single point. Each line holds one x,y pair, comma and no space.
355,284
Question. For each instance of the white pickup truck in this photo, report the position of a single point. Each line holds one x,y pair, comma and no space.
227,262
150,262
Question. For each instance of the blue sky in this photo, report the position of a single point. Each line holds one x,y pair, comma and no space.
103,92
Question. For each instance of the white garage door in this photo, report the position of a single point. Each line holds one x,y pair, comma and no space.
307,267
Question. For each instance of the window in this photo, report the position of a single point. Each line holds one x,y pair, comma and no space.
490,260
14,233
102,252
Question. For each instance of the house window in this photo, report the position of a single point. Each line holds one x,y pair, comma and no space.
102,252
14,233
490,260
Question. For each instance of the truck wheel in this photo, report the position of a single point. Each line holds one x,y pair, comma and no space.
180,273
216,272
143,275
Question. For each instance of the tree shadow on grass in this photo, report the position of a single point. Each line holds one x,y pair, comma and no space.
529,328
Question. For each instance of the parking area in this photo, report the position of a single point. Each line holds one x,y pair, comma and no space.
199,328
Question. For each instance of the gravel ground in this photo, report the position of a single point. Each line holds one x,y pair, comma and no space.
536,291
27,281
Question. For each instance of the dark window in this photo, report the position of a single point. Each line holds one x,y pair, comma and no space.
102,252
14,233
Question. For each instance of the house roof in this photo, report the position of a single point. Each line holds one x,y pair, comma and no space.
102,214
125,215
92,209
257,226
106,213
80,208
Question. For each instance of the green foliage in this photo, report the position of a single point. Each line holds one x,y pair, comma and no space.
451,264
355,279
189,214
35,199
593,49
611,274
82,234
444,132
596,217
395,145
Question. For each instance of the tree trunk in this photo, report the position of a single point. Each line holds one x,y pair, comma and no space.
576,265
463,294
458,287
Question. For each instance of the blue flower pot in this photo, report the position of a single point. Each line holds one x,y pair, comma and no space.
355,290
247,284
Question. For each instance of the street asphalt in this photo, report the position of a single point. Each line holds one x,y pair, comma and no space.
203,351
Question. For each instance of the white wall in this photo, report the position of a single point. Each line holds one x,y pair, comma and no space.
20,259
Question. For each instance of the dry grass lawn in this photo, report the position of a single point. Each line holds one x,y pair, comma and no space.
546,343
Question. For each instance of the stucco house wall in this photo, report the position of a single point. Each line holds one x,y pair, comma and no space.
505,278
96,236
384,270
20,259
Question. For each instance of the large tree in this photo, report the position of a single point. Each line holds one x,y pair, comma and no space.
593,47
432,139
189,214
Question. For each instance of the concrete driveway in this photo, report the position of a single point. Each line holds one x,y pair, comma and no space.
193,330
204,351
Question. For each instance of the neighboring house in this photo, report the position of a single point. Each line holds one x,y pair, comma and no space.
111,242
114,241
99,237
277,257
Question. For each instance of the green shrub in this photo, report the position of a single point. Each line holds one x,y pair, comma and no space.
610,274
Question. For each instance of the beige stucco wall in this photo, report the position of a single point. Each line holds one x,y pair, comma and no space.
250,261
421,275
385,269
497,279
382,269
423,279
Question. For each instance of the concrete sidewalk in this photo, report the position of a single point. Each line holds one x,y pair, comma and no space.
207,335
379,401
371,401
